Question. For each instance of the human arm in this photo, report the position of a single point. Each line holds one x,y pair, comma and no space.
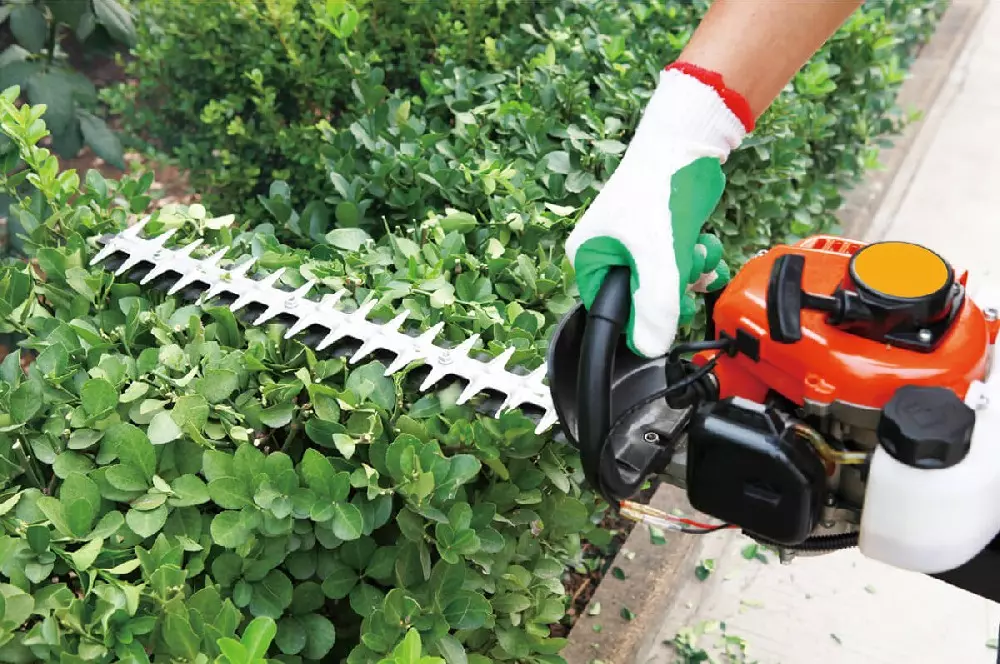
650,213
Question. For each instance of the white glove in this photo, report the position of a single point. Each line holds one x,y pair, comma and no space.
650,213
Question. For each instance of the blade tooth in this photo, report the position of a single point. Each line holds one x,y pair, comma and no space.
268,314
398,321
500,361
539,374
400,361
243,268
105,251
301,291
365,309
331,300
270,280
436,374
161,240
548,419
242,301
427,338
157,270
135,229
333,336
367,348
189,248
214,259
302,323
185,280
216,288
129,263
466,346
513,400
475,387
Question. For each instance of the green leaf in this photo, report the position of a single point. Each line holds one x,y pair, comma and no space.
229,493
116,20
85,556
257,637
146,523
271,596
98,397
340,581
558,162
189,490
466,610
163,429
25,402
50,89
30,29
321,636
100,138
370,383
229,530
348,522
462,222
277,416
348,239
127,477
130,444
218,384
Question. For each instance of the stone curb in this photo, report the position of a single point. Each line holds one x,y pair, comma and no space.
653,570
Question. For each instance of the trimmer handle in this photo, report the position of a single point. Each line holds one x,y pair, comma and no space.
606,319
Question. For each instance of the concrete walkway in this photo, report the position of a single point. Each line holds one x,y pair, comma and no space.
843,608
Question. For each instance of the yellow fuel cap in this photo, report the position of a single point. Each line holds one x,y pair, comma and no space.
900,270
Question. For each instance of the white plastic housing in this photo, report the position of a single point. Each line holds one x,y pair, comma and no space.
931,521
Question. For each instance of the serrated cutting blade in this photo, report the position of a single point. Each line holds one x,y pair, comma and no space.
205,279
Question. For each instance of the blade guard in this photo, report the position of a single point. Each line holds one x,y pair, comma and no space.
594,378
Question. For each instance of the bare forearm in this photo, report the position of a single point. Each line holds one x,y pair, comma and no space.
758,45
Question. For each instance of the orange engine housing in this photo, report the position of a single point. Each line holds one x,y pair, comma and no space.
829,364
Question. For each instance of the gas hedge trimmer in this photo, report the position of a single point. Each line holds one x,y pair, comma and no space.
841,397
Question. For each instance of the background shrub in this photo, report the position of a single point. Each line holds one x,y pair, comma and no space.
168,475
235,89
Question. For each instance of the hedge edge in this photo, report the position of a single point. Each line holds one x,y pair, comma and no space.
652,570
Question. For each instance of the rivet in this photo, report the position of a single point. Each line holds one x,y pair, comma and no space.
990,313
444,357
291,303
925,336
651,437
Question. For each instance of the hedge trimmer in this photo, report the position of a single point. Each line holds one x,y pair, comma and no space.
840,398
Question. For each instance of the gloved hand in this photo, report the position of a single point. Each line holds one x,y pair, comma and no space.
650,213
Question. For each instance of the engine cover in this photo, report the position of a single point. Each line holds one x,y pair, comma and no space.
830,321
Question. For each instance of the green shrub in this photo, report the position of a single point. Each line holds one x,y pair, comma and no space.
518,106
35,61
235,89
169,474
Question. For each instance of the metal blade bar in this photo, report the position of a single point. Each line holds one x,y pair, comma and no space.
179,265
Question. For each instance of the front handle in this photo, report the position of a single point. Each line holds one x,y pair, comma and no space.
606,319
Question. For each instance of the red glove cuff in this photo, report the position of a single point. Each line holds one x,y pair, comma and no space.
733,100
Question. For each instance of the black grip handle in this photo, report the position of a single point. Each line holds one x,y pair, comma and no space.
784,299
606,319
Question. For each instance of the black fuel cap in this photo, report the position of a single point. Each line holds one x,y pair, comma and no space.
926,427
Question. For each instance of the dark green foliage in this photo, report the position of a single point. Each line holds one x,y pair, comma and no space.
36,62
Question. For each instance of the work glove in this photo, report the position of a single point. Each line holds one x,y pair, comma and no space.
650,213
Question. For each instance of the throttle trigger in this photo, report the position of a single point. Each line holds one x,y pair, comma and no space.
784,299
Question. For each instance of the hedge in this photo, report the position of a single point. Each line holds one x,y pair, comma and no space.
179,487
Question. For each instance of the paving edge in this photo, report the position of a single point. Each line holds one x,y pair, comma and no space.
652,570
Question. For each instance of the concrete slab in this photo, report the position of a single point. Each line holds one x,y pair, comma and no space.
842,607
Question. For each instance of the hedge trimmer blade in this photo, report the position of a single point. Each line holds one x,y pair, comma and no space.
319,323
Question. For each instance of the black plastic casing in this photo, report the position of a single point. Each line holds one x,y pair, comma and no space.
746,468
